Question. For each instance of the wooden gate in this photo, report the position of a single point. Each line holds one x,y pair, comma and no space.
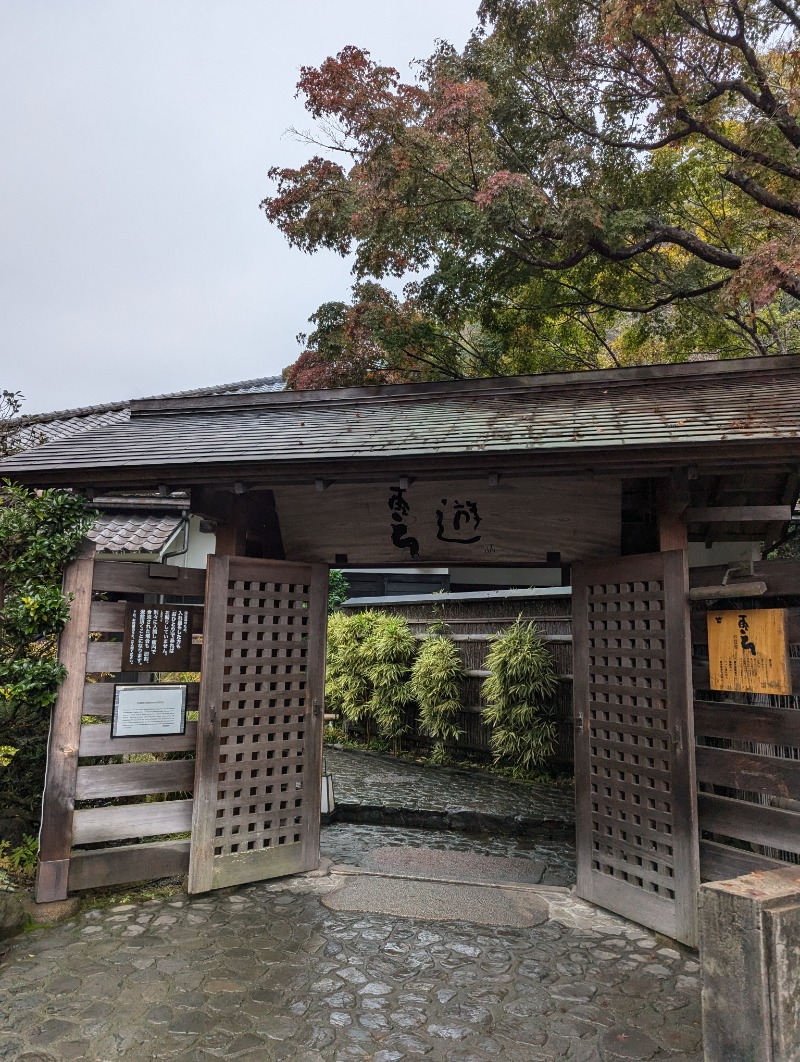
634,741
118,808
259,746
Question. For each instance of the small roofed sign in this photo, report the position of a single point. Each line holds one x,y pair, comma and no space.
157,638
748,651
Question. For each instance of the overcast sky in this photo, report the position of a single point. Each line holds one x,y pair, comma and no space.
135,136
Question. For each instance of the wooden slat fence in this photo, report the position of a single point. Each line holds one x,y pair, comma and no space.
470,622
748,757
114,810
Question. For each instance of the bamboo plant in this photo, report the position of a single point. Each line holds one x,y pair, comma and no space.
347,686
436,685
388,653
518,695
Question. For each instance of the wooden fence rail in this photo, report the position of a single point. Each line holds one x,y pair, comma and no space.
89,803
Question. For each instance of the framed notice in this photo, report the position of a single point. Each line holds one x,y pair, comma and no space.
148,711
748,651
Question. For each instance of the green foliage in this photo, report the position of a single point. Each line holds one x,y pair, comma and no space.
436,685
518,694
347,686
18,864
23,857
39,533
369,662
583,185
338,589
389,653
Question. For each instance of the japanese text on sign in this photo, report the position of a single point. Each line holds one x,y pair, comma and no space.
157,637
748,651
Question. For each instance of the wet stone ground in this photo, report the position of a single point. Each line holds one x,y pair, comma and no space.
365,781
294,970
269,973
350,845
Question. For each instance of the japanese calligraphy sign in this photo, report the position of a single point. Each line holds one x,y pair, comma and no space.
748,651
157,638
466,521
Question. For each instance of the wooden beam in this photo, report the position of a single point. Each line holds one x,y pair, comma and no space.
739,514
247,524
58,802
672,499
98,867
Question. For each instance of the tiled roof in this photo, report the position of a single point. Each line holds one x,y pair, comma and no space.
703,406
41,428
133,532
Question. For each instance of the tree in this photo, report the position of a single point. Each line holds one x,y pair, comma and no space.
10,405
587,183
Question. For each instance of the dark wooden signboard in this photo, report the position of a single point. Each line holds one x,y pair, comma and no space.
637,840
466,521
157,638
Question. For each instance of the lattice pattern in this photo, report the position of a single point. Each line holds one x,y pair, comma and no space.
629,741
261,779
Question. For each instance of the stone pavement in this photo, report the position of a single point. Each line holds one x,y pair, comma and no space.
352,845
399,792
268,973
371,958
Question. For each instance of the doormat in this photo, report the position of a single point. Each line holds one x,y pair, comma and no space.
461,866
437,901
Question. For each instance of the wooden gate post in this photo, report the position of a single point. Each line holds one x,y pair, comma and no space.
58,801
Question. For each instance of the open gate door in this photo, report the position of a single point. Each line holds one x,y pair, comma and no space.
634,741
259,744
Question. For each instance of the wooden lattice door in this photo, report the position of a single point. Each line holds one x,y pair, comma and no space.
259,748
634,741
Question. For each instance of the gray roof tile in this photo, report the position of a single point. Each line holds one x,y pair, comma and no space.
700,405
134,532
41,428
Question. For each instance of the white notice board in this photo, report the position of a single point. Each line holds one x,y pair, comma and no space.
146,711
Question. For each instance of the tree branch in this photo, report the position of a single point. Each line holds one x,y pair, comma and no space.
761,195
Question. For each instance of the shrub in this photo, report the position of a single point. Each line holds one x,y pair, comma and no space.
338,589
436,685
389,652
39,533
369,661
518,696
347,685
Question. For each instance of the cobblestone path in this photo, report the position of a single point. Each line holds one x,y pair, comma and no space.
350,845
367,780
268,973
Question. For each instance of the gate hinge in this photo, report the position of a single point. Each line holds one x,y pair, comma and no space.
317,709
677,738
578,724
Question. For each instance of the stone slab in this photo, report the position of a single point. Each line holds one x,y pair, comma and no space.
437,901
459,866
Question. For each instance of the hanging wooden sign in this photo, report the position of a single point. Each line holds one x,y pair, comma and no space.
157,638
468,522
748,651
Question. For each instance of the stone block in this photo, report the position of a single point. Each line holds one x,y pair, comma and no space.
750,948
50,914
13,918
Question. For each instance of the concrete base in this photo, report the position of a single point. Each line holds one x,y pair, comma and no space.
750,949
50,914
